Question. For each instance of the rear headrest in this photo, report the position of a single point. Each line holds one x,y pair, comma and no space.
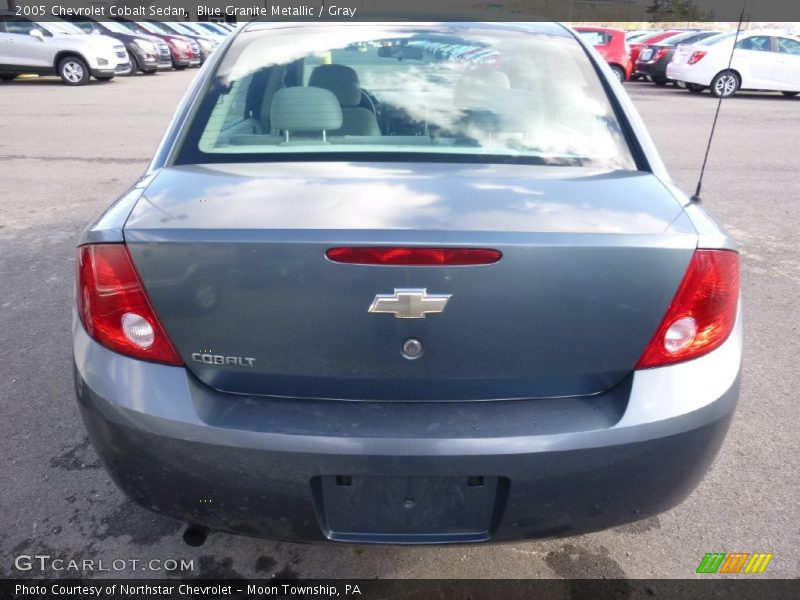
305,109
341,80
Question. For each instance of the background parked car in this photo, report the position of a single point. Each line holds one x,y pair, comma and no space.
205,41
611,45
57,48
635,34
219,28
762,60
146,53
654,58
217,37
185,51
637,45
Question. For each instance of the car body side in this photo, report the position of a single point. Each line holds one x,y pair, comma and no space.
21,53
768,69
660,55
184,51
143,59
615,50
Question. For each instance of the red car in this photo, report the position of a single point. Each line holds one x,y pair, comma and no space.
640,43
611,45
184,50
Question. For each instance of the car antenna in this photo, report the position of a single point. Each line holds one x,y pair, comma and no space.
696,197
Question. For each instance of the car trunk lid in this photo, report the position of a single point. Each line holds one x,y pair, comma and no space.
233,258
682,54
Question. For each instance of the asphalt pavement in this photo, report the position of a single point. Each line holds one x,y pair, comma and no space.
66,153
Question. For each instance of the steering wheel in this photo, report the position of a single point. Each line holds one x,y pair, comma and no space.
371,102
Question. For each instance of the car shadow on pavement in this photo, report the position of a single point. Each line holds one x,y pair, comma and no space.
49,81
740,95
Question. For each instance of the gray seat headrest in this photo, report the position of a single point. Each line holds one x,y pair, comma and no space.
305,109
339,79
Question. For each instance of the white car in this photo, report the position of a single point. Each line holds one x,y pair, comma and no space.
762,60
57,47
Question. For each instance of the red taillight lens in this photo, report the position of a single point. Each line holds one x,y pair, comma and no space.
696,57
415,257
114,308
701,315
661,53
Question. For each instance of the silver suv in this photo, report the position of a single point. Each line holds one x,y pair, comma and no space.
57,47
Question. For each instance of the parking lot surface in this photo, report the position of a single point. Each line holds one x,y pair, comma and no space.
66,153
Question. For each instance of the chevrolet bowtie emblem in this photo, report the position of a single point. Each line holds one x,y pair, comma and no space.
409,303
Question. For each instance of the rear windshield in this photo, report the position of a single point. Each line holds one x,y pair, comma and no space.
63,27
153,28
194,29
213,27
684,38
177,27
403,93
716,39
595,38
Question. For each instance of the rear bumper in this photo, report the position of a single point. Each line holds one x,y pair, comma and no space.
688,73
658,69
628,66
622,62
260,466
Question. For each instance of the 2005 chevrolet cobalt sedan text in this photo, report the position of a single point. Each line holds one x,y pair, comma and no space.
372,291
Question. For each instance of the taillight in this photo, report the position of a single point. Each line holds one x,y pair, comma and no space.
696,56
114,307
702,313
661,53
411,256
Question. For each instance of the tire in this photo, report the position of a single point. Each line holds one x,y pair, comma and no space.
790,94
695,88
73,71
619,73
724,84
134,66
660,81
